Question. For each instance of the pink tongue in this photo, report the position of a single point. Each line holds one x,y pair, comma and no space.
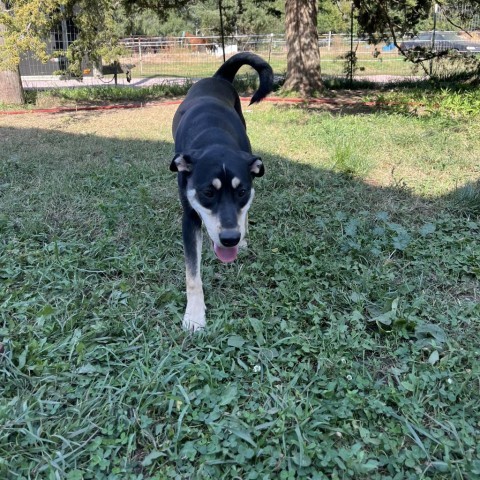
225,254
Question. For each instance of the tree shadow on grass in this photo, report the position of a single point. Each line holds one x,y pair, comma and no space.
337,277
101,189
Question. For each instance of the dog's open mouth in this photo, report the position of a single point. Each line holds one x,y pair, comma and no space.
225,254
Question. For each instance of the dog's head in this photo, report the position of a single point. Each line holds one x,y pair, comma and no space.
219,188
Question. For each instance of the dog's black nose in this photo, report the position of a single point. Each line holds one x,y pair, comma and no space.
229,238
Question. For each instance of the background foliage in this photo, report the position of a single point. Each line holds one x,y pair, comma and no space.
101,23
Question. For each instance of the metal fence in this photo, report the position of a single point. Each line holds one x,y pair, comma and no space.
196,57
153,60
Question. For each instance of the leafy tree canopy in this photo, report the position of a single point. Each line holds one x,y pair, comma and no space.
382,19
334,16
100,24
29,24
239,16
387,19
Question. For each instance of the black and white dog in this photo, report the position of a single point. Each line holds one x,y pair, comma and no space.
215,168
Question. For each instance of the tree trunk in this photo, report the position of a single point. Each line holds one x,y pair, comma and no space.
303,53
11,90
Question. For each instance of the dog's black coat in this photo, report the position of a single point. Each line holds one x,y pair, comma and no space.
215,168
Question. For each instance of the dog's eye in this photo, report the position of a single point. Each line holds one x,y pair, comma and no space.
241,193
209,193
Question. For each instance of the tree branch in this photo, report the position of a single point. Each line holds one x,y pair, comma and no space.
451,22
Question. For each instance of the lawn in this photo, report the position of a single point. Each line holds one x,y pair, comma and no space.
343,343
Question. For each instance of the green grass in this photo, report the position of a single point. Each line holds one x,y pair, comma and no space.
443,99
104,94
100,95
342,344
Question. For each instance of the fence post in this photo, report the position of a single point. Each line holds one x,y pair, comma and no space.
329,39
270,47
351,43
221,28
140,55
435,10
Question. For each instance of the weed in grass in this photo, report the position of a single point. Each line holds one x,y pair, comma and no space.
444,100
342,83
347,160
466,199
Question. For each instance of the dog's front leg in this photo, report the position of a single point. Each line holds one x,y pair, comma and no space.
194,318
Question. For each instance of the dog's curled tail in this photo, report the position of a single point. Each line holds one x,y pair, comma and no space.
230,68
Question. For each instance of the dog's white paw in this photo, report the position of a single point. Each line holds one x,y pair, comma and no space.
194,318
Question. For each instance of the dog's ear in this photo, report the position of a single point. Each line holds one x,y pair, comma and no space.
181,163
256,167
